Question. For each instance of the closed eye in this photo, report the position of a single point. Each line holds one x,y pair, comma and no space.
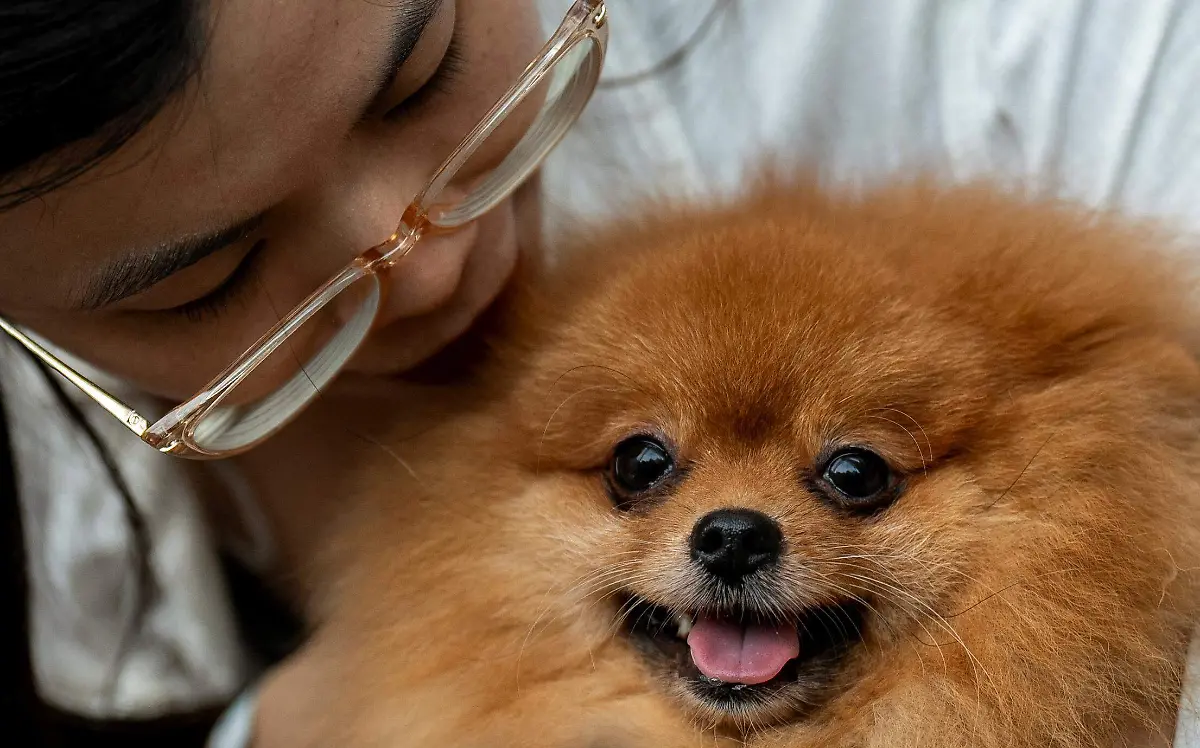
212,304
447,72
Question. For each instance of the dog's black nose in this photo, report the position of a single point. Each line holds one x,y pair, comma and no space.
733,543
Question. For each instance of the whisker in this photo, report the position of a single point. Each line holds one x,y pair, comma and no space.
1021,474
924,464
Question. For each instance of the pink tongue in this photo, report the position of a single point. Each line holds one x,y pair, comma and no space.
734,653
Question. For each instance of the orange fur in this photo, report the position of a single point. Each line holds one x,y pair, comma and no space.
1028,368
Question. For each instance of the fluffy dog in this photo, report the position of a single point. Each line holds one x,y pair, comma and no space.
913,468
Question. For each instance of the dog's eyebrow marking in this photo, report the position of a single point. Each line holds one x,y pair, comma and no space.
749,423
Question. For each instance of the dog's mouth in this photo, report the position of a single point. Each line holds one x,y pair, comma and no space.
746,663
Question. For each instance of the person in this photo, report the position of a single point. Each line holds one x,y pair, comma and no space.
175,172
178,173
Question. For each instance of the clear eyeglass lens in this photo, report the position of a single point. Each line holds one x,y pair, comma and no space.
537,124
293,374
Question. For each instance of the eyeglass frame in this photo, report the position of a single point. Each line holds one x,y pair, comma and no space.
585,21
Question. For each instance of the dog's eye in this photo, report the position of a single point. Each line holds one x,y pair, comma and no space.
639,463
859,475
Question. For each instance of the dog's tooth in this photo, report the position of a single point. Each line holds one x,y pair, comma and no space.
684,622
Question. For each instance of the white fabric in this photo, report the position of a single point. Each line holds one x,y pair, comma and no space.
187,654
1187,729
235,729
1095,100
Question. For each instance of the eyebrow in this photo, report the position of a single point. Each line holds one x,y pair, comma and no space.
132,274
407,30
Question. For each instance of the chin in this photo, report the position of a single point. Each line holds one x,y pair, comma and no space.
917,467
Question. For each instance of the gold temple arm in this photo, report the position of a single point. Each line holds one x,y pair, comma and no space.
127,415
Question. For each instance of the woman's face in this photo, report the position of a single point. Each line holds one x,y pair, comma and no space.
296,146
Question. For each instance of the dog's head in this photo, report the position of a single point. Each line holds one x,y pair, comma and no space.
799,447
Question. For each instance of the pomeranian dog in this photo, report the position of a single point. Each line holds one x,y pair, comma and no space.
915,468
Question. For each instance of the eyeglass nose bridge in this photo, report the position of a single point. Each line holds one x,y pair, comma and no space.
415,224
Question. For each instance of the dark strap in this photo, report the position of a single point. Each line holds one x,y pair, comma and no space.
20,708
270,628
189,730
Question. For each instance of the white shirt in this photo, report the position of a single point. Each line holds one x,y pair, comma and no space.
186,654
1094,100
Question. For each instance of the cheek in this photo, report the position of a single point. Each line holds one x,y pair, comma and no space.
932,543
565,514
825,552
654,553
167,370
172,357
497,41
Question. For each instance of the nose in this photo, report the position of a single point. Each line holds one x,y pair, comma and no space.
731,544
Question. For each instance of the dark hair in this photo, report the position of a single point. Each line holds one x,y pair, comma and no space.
80,77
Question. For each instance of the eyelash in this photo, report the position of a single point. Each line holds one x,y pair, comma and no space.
447,73
212,304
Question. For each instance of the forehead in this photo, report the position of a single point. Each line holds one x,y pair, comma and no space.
974,328
276,78
760,334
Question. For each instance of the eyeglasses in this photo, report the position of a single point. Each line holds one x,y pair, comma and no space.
245,404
